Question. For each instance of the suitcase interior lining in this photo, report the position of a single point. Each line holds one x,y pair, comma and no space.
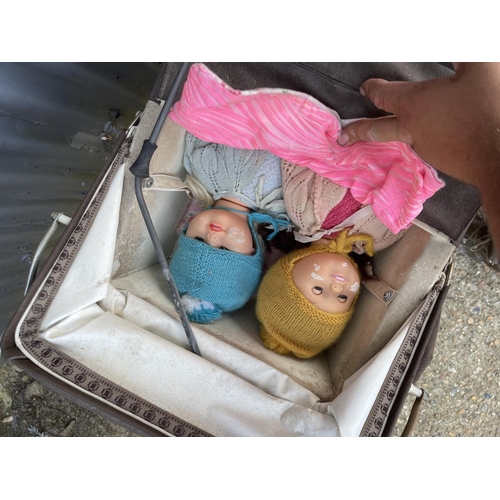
122,324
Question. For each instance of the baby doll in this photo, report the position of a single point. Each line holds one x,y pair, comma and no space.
307,297
241,181
218,259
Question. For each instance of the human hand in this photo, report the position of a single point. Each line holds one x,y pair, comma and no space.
452,123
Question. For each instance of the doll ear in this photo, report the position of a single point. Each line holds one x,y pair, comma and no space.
200,311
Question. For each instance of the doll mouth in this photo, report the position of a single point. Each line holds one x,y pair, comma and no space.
216,227
339,277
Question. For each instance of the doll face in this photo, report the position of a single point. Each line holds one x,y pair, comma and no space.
328,280
222,229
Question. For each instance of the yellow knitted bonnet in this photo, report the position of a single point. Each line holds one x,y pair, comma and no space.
288,321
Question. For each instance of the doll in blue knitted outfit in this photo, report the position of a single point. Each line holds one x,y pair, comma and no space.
218,260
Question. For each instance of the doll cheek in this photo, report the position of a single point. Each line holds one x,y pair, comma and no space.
316,277
237,235
354,287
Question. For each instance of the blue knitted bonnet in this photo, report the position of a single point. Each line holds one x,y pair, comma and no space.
217,280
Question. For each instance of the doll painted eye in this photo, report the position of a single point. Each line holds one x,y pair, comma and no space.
342,298
317,290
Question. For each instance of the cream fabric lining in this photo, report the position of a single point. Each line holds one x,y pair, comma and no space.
215,398
113,314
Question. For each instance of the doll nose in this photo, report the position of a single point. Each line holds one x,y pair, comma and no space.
212,236
337,287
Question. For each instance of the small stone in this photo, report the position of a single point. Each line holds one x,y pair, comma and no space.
487,396
470,321
34,390
5,400
476,309
484,408
497,342
66,432
480,285
461,411
453,391
7,420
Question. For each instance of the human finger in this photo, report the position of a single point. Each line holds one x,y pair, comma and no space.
384,129
389,96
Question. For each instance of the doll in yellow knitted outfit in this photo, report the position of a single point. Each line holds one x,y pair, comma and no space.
307,298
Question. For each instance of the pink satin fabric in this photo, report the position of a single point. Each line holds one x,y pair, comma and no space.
298,128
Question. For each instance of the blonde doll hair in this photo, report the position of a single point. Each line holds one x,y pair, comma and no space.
197,190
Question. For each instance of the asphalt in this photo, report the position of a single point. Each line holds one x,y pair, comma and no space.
462,381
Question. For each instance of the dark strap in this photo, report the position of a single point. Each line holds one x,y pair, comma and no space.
412,419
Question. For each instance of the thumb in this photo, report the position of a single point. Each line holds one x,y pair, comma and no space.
389,96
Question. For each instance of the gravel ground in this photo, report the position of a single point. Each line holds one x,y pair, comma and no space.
462,380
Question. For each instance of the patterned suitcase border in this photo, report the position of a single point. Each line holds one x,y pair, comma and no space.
379,413
66,367
88,381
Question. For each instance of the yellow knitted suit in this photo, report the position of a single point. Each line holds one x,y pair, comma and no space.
288,322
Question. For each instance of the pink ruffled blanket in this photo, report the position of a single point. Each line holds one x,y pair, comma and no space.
298,128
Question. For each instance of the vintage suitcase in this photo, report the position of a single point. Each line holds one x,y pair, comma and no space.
99,323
